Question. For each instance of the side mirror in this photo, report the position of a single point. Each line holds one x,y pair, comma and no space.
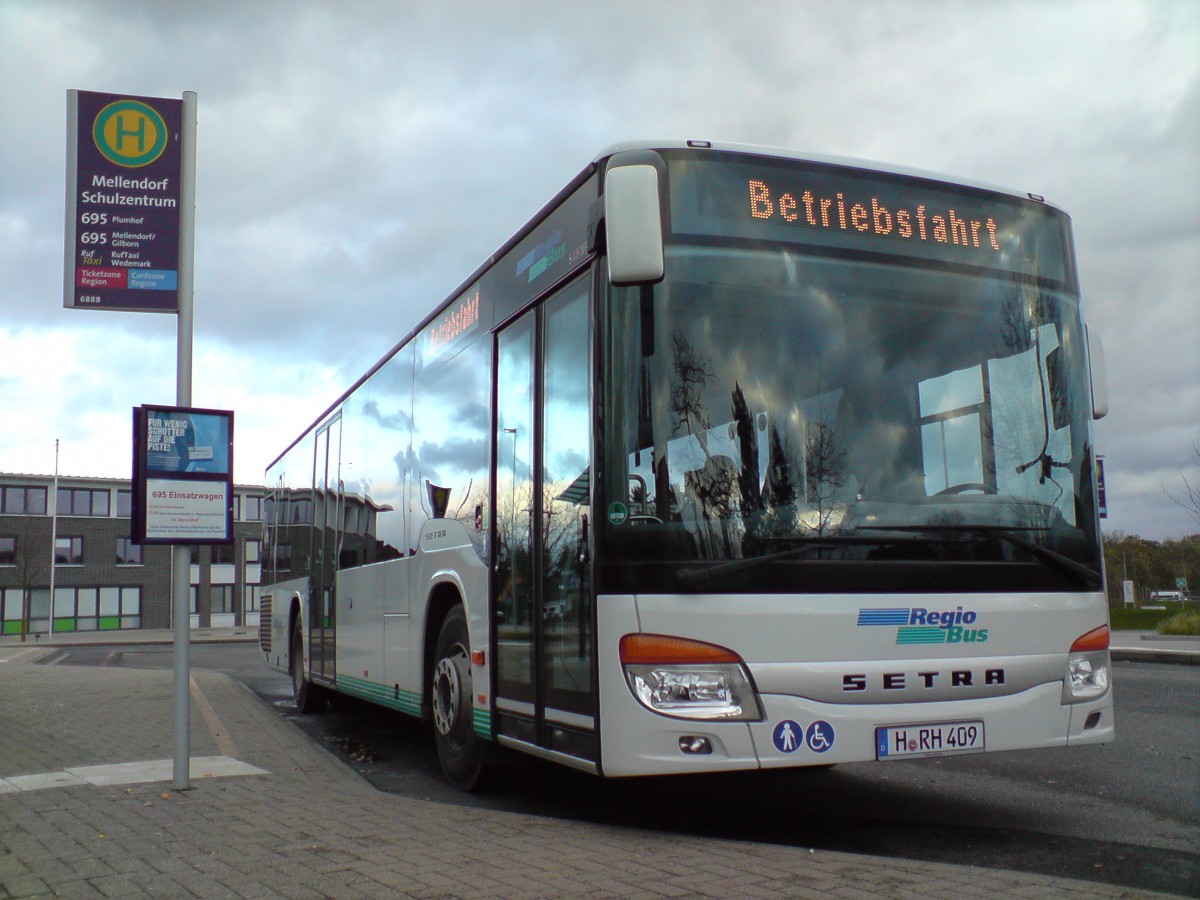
633,224
1099,374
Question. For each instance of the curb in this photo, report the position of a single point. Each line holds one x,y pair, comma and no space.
1172,657
132,638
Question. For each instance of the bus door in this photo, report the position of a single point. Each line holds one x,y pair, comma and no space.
328,501
542,584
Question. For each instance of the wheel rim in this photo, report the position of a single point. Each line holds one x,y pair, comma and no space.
448,693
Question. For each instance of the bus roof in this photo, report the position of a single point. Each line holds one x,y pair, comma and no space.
597,163
846,161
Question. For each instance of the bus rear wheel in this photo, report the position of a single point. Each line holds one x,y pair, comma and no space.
460,750
304,691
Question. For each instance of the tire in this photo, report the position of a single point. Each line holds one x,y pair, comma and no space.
461,752
304,691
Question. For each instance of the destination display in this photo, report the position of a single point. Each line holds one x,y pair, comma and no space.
844,208
123,190
547,253
449,329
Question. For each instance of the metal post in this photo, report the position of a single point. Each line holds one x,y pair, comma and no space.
53,543
181,560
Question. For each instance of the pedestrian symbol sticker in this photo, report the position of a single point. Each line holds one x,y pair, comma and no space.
788,736
819,736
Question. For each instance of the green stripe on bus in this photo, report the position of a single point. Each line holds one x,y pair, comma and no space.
405,701
391,697
920,635
483,723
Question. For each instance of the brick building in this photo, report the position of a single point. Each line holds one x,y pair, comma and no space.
102,580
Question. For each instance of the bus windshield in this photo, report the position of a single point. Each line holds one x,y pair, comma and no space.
782,421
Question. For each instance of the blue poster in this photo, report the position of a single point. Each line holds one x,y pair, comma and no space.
187,442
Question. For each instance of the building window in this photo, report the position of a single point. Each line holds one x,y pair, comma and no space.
293,511
250,599
82,502
8,550
128,553
221,598
953,420
253,549
26,501
68,551
11,610
283,557
251,506
97,609
124,504
39,609
222,554
120,607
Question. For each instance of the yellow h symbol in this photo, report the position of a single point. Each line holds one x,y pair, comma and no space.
130,133
124,132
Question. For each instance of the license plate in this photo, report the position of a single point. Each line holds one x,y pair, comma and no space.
931,739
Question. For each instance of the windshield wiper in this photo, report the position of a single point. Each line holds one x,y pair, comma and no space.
698,574
1088,577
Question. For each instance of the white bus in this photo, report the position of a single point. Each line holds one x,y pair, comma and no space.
731,458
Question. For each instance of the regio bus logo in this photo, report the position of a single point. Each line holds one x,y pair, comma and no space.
917,625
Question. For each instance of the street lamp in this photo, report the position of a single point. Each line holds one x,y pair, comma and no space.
510,539
513,432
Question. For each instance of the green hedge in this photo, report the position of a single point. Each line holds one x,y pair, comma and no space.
1130,619
1186,622
1184,618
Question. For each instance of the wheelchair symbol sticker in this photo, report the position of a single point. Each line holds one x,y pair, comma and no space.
820,736
788,736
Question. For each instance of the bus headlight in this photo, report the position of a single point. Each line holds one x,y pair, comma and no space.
688,679
1088,667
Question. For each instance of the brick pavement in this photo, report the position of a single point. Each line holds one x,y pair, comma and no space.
313,828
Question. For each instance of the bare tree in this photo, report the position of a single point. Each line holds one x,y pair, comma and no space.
712,486
691,377
32,570
1189,496
825,477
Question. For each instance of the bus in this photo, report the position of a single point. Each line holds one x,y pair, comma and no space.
731,458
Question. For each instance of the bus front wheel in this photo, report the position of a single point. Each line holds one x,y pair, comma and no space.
460,750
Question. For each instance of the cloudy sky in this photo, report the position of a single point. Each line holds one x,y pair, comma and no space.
358,159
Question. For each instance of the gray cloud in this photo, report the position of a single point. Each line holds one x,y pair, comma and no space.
358,160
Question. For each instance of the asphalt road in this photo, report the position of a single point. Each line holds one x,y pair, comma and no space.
1125,813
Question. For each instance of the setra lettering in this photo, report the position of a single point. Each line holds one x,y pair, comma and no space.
899,681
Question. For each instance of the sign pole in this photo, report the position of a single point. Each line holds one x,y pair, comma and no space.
130,245
181,568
